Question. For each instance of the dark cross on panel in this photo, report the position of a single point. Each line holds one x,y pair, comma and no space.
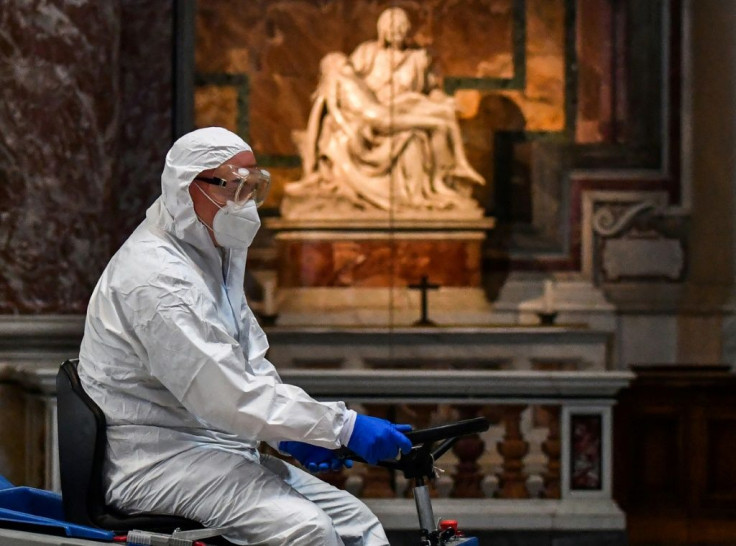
424,286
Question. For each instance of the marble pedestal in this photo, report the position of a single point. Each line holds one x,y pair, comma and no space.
343,272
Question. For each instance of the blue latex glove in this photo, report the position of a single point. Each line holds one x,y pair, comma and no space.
377,439
314,458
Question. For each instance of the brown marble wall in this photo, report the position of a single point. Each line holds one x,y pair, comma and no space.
85,117
277,45
542,100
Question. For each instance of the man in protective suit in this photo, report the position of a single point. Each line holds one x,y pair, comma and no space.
175,358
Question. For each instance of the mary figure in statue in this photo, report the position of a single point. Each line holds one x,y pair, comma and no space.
381,138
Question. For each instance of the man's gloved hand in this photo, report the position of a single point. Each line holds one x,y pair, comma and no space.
377,439
314,458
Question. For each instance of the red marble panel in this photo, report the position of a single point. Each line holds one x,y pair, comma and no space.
378,263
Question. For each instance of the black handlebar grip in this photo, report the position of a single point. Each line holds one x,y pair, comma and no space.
451,430
430,435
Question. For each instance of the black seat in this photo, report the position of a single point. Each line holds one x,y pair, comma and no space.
82,434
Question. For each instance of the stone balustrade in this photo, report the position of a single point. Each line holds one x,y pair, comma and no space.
544,464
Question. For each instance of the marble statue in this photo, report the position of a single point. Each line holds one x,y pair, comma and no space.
381,137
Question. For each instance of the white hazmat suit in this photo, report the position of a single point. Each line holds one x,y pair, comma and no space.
175,358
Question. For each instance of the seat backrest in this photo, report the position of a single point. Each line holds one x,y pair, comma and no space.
82,443
81,447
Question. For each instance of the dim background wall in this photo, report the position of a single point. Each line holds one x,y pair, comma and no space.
707,334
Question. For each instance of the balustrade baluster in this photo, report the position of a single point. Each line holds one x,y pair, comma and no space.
551,447
513,448
468,450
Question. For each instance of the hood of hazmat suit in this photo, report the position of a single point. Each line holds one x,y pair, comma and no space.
171,351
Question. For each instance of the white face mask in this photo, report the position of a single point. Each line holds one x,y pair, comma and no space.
234,226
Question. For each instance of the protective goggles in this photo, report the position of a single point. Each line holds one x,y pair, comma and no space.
241,183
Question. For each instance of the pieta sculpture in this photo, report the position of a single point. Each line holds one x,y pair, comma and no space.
382,139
